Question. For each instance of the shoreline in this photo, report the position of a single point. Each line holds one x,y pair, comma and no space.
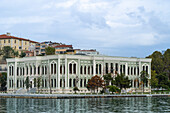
73,96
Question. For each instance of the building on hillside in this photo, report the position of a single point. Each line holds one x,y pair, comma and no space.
61,71
40,47
62,49
87,52
19,44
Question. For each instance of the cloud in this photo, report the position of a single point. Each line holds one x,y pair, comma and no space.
89,24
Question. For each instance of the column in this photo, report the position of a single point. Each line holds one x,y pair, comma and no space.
94,67
58,72
66,78
8,77
119,68
126,69
78,72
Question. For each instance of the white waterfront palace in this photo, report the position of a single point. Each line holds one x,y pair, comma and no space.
61,71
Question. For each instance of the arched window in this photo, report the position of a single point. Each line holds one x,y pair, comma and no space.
64,69
138,70
20,71
12,70
27,70
9,70
70,82
134,70
143,68
70,68
84,69
81,83
30,70
17,71
96,68
131,70
34,70
55,70
84,82
74,68
124,70
146,69
88,70
52,69
38,70
23,71
42,70
45,69
81,70
92,69
61,69
128,70
100,69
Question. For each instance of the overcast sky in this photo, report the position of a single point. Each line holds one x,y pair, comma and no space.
113,27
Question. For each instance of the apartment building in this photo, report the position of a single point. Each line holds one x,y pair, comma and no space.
19,44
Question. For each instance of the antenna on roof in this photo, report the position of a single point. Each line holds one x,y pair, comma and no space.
8,33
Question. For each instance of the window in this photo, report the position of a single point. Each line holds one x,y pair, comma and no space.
4,41
8,41
81,70
15,41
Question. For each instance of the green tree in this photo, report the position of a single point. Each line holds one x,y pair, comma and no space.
95,82
113,89
38,83
50,51
23,54
27,83
163,81
167,63
75,89
144,78
107,78
154,80
8,52
122,81
157,62
3,81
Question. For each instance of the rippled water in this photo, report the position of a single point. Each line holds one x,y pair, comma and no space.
91,105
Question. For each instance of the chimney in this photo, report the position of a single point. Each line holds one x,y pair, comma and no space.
8,33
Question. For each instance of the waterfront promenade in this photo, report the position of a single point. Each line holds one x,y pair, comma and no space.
70,96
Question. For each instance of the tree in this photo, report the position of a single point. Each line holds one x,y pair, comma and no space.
163,81
157,62
107,78
122,81
23,54
8,52
94,83
50,51
154,80
38,83
144,78
3,81
113,89
75,89
166,59
27,83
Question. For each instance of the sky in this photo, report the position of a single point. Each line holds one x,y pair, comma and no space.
128,28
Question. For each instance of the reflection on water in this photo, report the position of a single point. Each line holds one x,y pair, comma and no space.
95,105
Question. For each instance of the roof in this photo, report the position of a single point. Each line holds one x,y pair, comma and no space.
4,36
63,46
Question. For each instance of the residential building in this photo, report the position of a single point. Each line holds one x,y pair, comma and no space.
87,52
62,49
19,44
60,72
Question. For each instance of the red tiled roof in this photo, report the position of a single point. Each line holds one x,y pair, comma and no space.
4,36
29,52
63,46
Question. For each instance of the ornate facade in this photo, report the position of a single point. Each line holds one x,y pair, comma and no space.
61,71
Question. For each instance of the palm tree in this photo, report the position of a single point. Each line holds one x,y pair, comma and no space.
144,78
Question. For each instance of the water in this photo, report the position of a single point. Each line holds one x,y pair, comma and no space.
91,105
